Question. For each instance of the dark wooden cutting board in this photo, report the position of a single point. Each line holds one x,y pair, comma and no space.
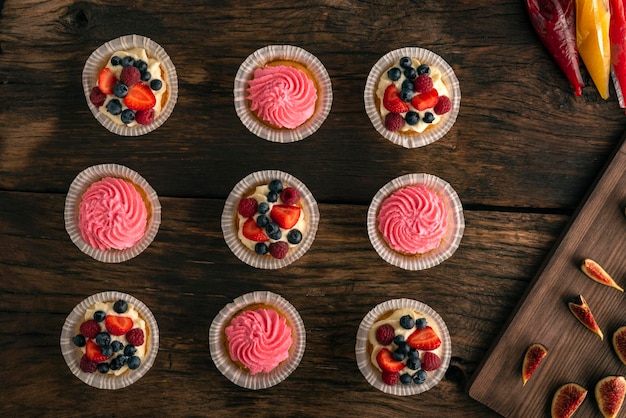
575,354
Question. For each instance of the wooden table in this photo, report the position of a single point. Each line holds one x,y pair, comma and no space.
522,155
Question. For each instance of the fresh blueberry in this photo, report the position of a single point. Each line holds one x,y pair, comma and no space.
117,346
79,340
272,197
103,368
410,73
146,76
397,356
261,248
107,350
413,364
103,339
141,65
428,117
419,377
421,323
276,186
118,362
406,62
128,61
294,236
130,350
262,220
414,354
120,90
120,306
408,84
156,84
407,322
423,69
412,117
398,339
133,362
127,116
273,230
263,208
406,95
115,60
394,74
99,316
114,107
403,348
406,379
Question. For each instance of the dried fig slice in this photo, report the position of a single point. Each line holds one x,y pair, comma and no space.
619,343
578,306
595,272
567,399
533,357
610,392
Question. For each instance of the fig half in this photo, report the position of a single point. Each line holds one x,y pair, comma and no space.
534,355
595,272
578,306
610,393
567,399
619,343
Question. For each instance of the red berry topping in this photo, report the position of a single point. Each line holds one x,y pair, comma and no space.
90,328
139,97
443,106
385,360
285,216
106,81
290,196
247,207
426,100
424,339
144,117
94,353
135,337
392,102
423,83
390,378
130,75
118,325
96,97
88,366
253,232
394,121
385,334
430,361
279,249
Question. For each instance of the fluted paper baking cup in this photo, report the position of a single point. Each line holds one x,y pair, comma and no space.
373,375
72,201
259,59
229,215
449,244
433,133
72,354
99,58
219,352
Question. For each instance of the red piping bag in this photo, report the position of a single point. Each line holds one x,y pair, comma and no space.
617,35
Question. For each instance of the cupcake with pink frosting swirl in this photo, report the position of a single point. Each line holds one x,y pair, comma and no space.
258,340
111,213
416,221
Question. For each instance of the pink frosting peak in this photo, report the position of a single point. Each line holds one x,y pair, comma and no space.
413,220
282,95
259,339
112,214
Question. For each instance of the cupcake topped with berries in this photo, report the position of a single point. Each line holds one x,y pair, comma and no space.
110,340
403,347
131,85
270,219
412,97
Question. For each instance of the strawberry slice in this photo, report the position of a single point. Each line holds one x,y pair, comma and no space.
140,97
94,352
118,325
254,232
426,100
285,216
106,81
392,102
387,362
424,339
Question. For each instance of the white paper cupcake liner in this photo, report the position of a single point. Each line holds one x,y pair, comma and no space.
433,133
229,214
72,354
99,58
72,201
449,244
219,352
260,58
373,376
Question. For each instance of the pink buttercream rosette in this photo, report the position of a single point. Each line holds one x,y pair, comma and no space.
72,355
373,375
455,223
433,133
259,59
218,345
98,59
73,199
229,214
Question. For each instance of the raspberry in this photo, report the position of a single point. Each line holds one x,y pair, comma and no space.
423,83
90,328
443,105
385,334
430,361
391,378
135,337
96,97
394,121
130,75
144,117
279,249
247,207
87,365
290,196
